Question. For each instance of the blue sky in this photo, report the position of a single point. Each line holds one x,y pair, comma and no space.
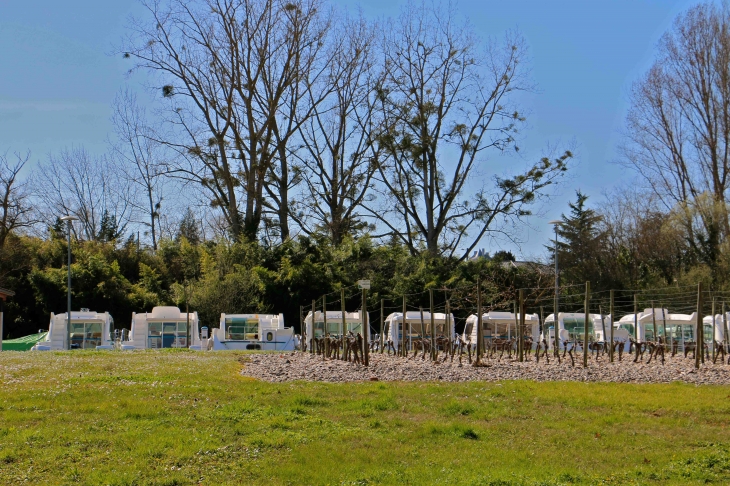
59,77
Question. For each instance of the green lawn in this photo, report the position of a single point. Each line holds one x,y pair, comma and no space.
178,417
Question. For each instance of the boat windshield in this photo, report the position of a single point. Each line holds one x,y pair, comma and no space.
242,329
576,327
334,326
167,334
85,335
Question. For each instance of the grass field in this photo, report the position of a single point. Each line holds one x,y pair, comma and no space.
178,417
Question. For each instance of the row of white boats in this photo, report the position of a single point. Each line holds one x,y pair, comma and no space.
168,327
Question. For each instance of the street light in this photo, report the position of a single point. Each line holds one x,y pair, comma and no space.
69,219
556,223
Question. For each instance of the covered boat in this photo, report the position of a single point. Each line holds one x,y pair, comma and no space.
393,328
87,330
571,327
24,343
353,323
501,325
264,332
679,327
164,327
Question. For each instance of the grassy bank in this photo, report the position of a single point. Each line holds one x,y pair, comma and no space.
188,418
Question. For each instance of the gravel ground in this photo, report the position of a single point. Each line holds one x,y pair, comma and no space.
304,366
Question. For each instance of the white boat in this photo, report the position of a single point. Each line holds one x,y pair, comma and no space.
571,327
719,326
264,332
353,323
680,327
164,327
414,328
501,325
87,330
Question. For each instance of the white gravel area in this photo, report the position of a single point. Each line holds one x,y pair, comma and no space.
308,367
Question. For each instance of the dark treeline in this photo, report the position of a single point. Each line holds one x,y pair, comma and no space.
619,247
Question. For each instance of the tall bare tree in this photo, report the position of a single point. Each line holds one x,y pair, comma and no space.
678,127
445,102
15,206
233,72
139,160
76,183
338,152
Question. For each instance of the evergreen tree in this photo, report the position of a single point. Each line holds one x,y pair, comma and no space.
109,229
580,245
189,228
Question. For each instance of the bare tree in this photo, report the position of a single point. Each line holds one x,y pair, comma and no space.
15,207
338,152
445,103
233,72
76,183
139,159
678,127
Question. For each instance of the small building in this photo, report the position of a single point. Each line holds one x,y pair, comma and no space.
4,294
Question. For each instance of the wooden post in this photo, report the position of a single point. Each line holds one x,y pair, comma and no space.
365,327
653,322
382,320
542,322
555,315
404,349
324,326
636,319
480,331
422,334
447,326
433,325
343,324
611,310
311,344
724,328
585,325
522,325
699,351
516,313
713,329
302,329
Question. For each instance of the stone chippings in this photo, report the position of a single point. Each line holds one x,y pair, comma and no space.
307,367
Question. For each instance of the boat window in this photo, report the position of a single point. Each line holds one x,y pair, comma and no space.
709,332
167,334
334,326
576,327
468,328
242,329
628,327
84,335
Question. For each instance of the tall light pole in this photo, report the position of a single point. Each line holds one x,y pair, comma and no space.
556,223
68,219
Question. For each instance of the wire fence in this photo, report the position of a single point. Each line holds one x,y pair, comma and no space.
483,319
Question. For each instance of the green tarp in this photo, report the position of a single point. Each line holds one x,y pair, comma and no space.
23,343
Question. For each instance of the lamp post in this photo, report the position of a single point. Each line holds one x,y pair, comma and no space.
556,223
68,219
